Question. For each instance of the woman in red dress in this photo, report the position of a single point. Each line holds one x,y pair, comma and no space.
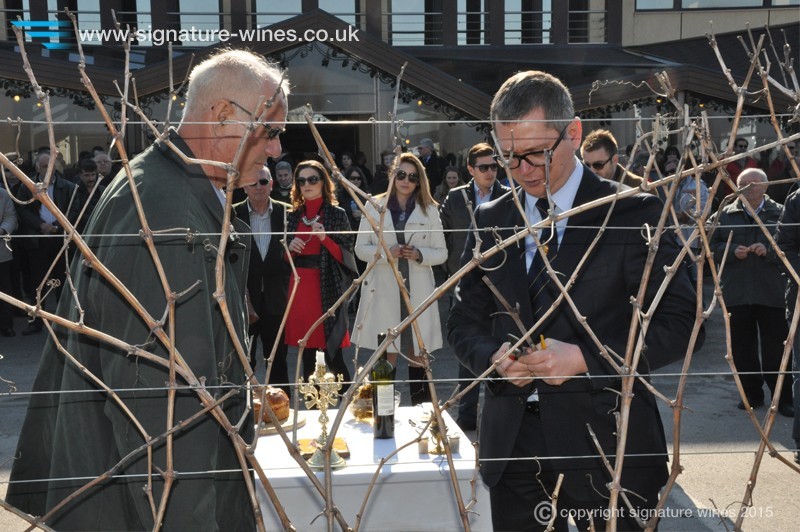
323,254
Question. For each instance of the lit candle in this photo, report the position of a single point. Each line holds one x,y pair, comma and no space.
320,358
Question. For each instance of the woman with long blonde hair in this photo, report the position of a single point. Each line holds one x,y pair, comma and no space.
413,232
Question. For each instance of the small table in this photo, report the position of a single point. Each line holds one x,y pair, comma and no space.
413,491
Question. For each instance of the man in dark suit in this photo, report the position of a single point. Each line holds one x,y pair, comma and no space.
542,403
434,164
36,219
456,220
268,278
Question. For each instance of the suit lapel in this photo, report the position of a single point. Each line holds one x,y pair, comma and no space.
577,238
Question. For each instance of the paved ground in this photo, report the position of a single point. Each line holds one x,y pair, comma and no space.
718,441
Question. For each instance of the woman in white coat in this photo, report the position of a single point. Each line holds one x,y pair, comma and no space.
413,233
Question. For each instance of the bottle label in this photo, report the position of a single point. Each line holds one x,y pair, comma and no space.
385,395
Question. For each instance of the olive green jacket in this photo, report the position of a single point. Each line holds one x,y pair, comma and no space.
83,435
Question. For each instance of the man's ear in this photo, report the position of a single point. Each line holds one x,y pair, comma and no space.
615,160
575,133
221,111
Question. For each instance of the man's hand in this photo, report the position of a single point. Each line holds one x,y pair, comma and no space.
517,373
740,252
759,249
556,364
47,229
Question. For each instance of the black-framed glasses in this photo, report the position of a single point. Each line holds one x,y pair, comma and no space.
791,148
301,181
534,157
262,182
401,175
486,167
272,132
598,165
740,146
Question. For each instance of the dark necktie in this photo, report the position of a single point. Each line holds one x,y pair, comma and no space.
537,274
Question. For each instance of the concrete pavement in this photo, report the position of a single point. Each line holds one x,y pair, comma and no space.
718,441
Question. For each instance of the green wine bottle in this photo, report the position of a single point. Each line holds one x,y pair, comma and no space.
382,377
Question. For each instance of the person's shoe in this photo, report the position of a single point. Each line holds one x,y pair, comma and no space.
797,457
32,328
786,410
8,333
754,403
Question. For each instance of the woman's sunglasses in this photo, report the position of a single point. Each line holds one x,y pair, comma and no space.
401,175
301,181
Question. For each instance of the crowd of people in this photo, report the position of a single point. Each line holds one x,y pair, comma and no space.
538,398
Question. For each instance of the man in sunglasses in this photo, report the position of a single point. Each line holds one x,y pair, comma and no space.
600,153
268,277
69,438
548,401
456,219
735,168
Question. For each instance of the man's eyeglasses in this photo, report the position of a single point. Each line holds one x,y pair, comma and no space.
401,175
301,181
534,157
598,165
791,148
262,182
272,132
486,167
741,146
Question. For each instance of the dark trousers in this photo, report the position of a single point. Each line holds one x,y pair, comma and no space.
266,330
45,255
6,310
796,388
468,405
521,499
751,325
335,362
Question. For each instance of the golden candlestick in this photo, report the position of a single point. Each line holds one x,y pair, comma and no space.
322,391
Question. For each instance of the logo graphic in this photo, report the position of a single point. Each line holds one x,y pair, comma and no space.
46,29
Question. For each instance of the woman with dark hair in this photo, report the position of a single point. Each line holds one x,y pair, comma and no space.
347,161
355,175
452,179
413,233
325,266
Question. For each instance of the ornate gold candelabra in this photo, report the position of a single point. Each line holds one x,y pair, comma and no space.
322,391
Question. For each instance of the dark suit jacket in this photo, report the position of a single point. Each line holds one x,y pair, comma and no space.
434,169
611,275
268,278
29,220
455,215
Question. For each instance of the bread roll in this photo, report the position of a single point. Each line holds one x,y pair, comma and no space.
277,399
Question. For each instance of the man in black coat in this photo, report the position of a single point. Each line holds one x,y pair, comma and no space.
35,219
541,403
268,277
456,220
434,164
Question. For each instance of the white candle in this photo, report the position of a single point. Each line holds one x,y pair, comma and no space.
320,358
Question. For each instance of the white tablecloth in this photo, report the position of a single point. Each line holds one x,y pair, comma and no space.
413,492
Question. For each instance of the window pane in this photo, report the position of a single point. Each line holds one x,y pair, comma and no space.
527,26
654,4
343,9
270,12
704,4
